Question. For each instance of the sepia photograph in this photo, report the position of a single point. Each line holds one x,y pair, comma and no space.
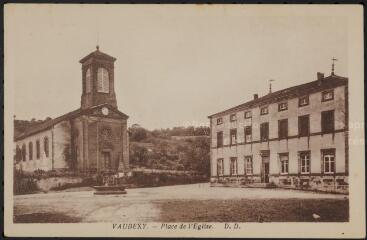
184,120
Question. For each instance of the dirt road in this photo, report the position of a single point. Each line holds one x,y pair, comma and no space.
138,205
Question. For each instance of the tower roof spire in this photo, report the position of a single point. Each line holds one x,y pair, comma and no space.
97,54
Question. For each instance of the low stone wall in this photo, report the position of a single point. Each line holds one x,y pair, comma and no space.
154,179
46,184
332,184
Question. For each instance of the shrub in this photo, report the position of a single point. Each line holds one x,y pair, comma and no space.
24,184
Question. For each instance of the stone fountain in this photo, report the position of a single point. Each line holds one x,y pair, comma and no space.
111,185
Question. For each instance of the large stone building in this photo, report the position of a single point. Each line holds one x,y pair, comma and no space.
296,138
90,139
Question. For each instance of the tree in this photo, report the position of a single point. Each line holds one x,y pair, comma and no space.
196,156
137,134
138,155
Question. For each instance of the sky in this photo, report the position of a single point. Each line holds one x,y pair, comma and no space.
175,65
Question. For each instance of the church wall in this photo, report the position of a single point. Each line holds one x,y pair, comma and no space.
113,143
78,142
125,147
44,162
62,145
92,145
88,135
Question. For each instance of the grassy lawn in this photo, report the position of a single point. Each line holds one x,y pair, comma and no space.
254,210
45,218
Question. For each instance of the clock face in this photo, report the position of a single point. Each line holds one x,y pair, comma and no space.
105,111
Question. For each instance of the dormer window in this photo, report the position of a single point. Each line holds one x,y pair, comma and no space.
303,101
264,110
327,95
103,80
233,117
282,106
248,114
88,81
219,121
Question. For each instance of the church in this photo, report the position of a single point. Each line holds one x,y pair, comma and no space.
91,139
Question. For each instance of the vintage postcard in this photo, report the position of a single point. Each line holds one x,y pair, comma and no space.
184,121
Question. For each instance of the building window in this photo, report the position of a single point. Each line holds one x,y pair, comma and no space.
282,106
233,117
103,80
303,101
219,139
233,134
248,114
88,81
327,121
327,95
220,167
18,154
38,149
30,150
328,160
304,125
283,128
264,110
233,166
24,152
284,162
304,161
219,121
248,165
264,131
45,145
248,134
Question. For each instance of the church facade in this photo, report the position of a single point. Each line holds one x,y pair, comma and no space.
91,139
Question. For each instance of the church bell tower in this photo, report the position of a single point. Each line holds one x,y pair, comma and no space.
98,80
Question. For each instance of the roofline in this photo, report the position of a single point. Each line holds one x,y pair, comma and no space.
101,55
78,112
257,102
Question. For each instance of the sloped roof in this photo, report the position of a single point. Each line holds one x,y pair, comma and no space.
48,124
291,92
73,114
98,54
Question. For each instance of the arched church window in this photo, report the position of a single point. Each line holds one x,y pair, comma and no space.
18,154
88,81
45,144
24,152
30,150
38,149
103,80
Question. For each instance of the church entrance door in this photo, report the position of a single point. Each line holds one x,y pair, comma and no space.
107,160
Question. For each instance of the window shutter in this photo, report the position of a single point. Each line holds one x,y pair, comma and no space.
279,164
99,77
322,163
105,81
245,166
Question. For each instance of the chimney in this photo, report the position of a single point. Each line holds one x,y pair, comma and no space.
320,76
256,96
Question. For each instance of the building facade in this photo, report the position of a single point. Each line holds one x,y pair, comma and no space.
90,139
294,138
